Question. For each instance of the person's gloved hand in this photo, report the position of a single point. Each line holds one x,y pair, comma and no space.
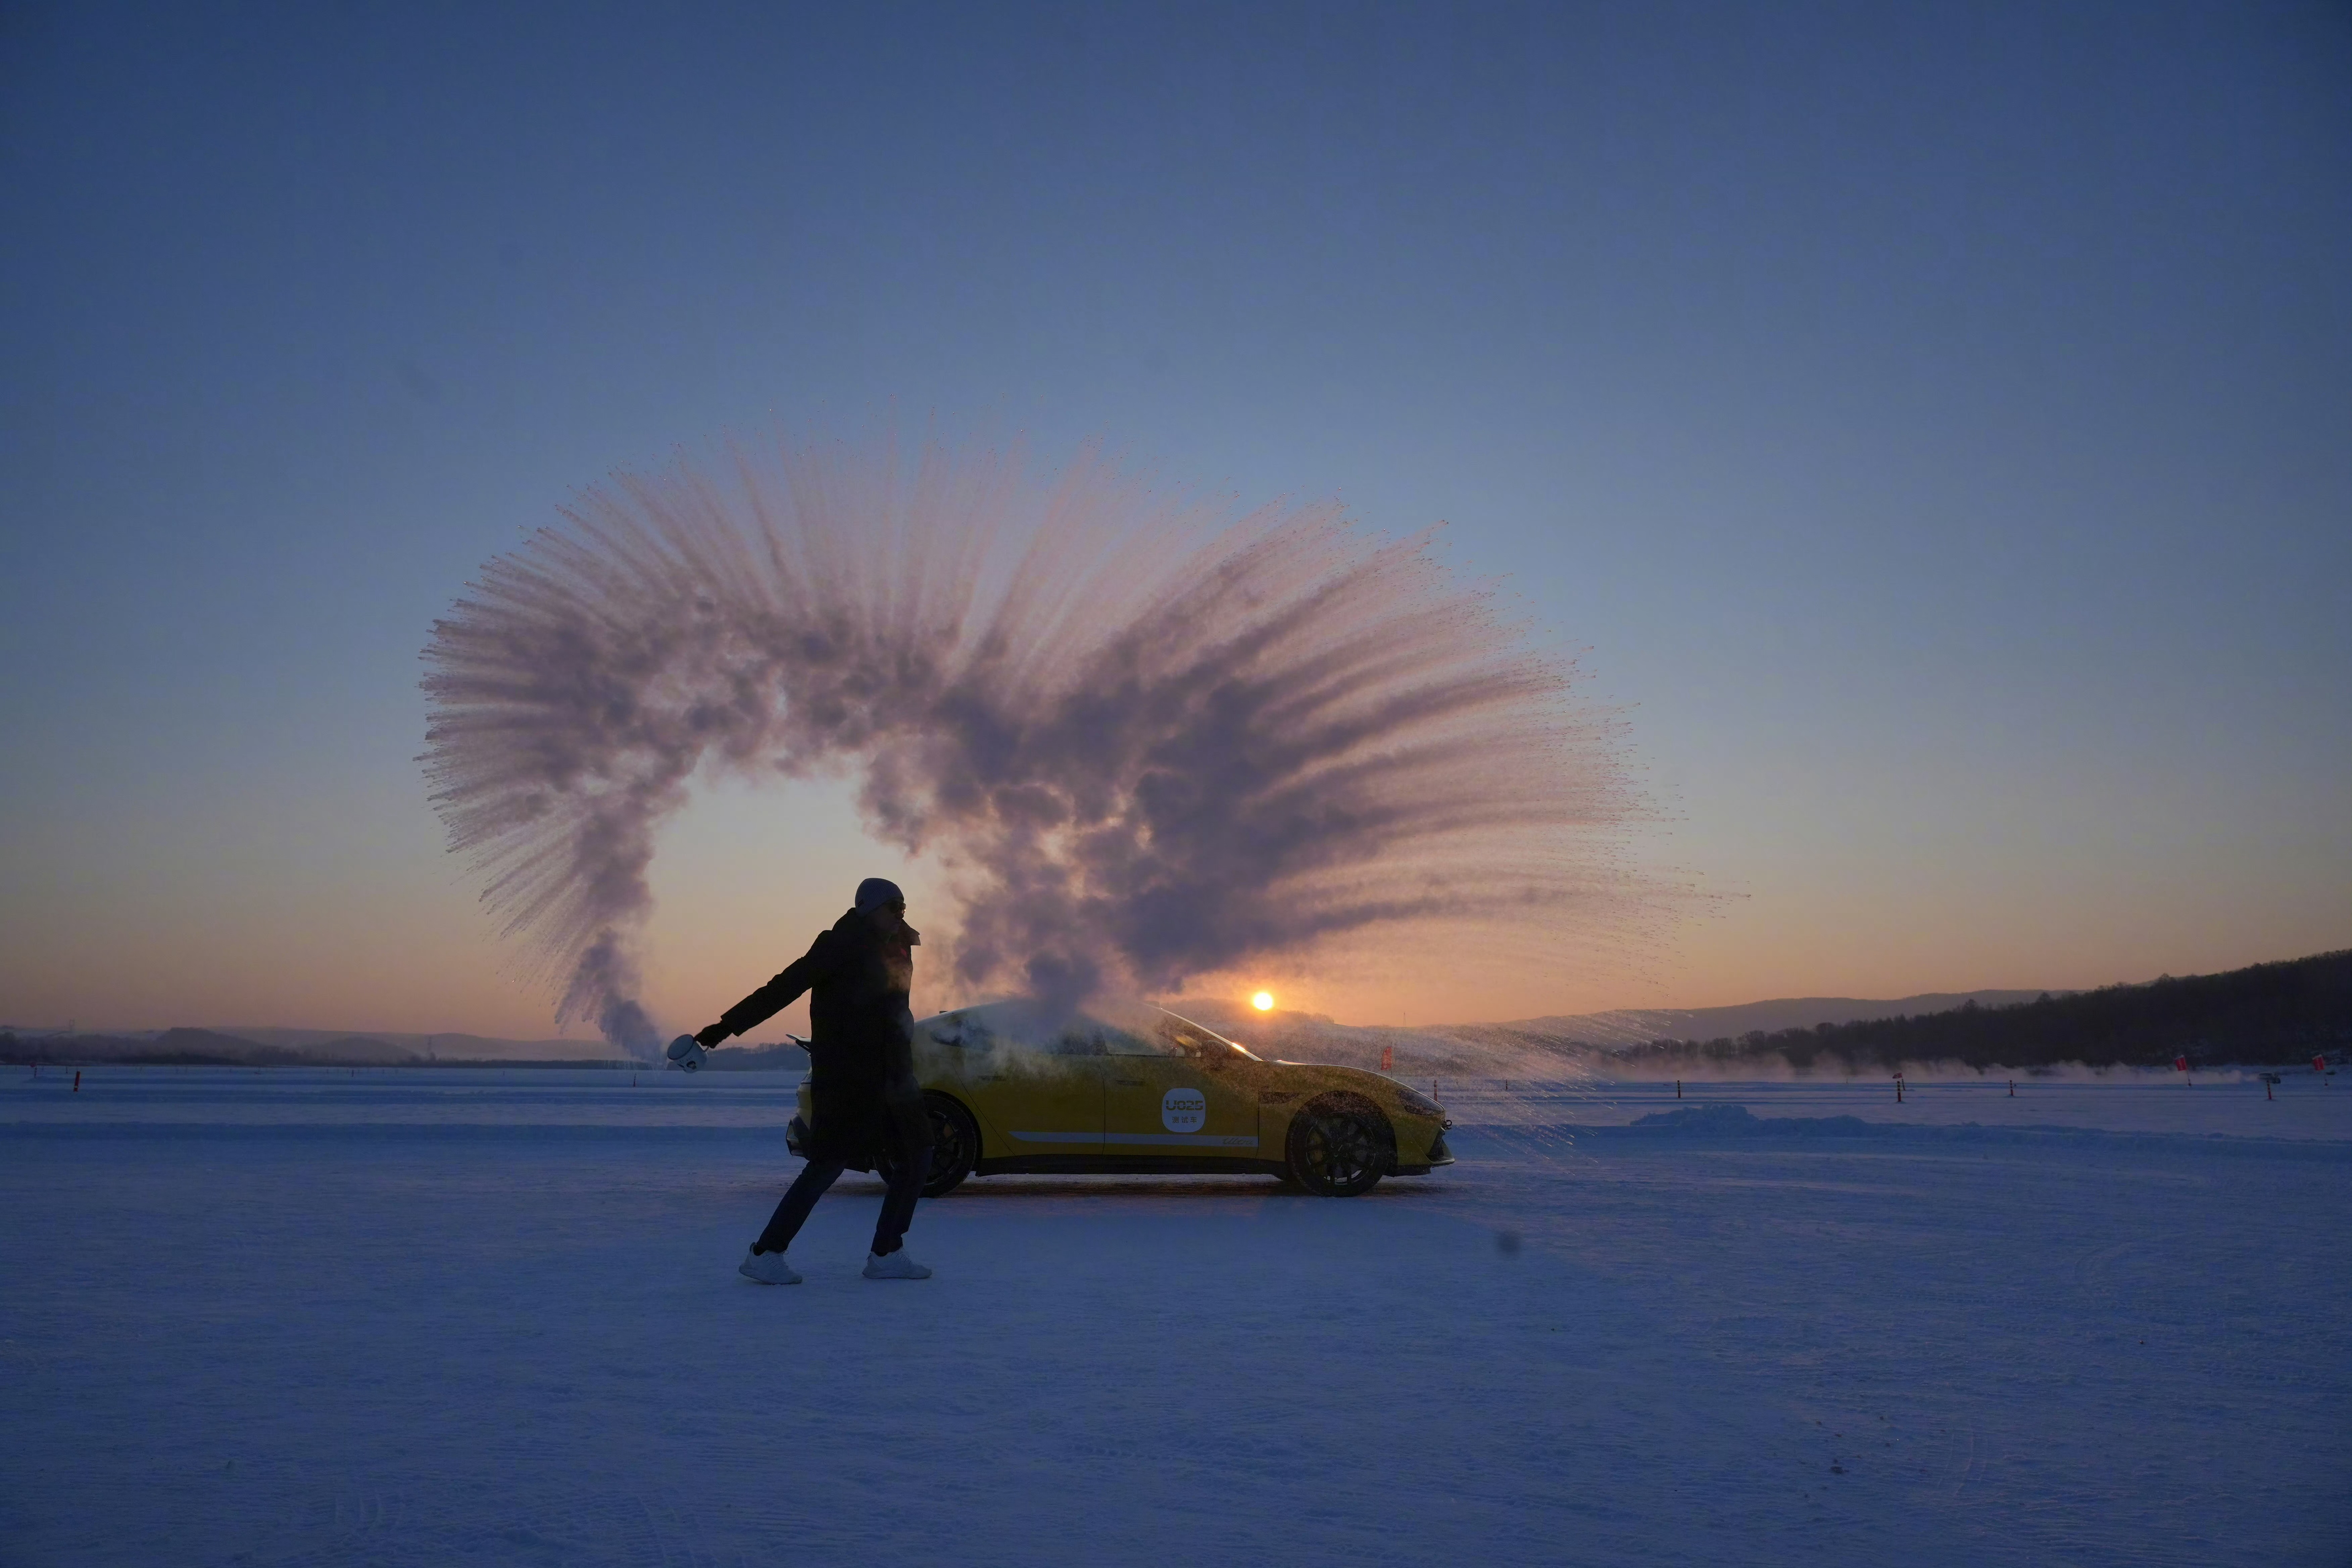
710,1035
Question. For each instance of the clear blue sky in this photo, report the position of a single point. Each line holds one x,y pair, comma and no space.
1935,420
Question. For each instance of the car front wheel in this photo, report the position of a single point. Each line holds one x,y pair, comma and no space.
1340,1148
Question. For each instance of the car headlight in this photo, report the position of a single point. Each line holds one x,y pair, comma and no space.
1417,1103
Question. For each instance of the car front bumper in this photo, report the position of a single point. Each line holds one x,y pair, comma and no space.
1436,1154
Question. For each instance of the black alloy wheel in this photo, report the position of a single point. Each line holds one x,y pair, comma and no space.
1340,1149
955,1146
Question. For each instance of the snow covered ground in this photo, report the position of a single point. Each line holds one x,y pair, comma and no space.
289,1316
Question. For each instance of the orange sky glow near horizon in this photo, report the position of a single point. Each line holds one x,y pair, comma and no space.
745,879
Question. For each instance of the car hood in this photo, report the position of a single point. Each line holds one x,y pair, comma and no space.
1377,1087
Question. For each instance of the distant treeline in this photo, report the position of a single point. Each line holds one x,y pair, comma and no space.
2270,1015
208,1048
783,1055
211,1048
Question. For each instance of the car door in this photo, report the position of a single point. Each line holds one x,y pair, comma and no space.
1034,1099
1163,1100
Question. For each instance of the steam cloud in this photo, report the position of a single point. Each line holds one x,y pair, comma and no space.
1148,742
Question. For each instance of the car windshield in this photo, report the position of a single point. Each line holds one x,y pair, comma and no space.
1128,1031
1195,1041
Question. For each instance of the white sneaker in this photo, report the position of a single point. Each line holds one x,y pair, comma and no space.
768,1269
897,1265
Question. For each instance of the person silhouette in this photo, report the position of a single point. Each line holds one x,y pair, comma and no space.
863,1098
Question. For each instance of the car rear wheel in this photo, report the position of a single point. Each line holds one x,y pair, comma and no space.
1340,1148
955,1146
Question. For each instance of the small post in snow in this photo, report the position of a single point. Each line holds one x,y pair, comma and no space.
1387,1059
2270,1081
2180,1065
77,1080
2012,1088
1898,1089
1678,1088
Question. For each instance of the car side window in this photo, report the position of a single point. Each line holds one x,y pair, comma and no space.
1078,1042
1123,1043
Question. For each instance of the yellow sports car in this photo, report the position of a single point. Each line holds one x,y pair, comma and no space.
1011,1091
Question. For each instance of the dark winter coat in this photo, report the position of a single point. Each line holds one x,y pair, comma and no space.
861,1034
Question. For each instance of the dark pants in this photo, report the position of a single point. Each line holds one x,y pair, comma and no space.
910,1135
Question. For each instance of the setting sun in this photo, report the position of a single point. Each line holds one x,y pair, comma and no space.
1263,1001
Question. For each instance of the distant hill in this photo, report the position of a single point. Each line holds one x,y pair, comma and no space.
202,1048
443,1047
781,1057
2269,1014
1627,1026
1540,1047
273,1047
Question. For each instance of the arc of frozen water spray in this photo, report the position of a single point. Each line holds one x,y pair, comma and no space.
1148,741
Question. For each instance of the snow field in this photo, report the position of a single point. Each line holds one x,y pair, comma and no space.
428,1317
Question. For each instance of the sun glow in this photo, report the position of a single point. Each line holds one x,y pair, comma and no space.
1263,1001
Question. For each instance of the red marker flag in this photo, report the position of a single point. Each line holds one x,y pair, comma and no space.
2319,1064
2180,1064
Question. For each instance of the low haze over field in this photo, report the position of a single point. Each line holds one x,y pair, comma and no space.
1922,428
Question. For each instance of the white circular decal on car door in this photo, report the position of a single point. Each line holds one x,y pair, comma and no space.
1183,1111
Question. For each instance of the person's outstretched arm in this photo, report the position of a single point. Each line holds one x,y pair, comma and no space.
776,996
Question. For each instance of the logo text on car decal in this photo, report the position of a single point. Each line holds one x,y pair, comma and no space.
1183,1111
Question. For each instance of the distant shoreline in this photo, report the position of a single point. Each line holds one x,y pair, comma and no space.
2287,1014
210,1047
